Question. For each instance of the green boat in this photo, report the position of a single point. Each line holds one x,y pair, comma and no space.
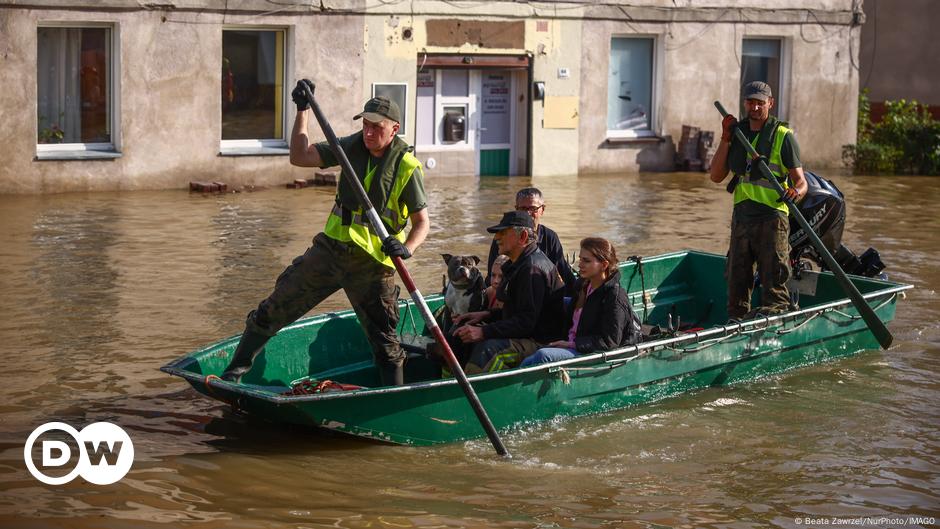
666,291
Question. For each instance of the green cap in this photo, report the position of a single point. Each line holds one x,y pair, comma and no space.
757,90
379,108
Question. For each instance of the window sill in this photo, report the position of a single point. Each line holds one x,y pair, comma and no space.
636,140
77,154
254,151
445,147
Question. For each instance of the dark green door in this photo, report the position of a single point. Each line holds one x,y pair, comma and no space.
494,162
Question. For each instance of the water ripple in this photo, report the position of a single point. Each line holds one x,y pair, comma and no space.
100,289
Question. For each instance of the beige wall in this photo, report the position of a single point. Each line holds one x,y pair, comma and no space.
899,50
170,58
597,154
700,63
170,114
555,150
389,58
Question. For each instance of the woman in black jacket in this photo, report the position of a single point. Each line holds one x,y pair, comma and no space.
600,318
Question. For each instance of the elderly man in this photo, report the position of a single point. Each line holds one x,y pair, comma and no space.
760,228
347,254
530,200
532,296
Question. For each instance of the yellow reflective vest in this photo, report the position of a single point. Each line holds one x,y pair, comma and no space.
754,187
384,185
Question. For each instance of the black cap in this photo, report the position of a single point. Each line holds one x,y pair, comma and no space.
757,90
379,108
513,219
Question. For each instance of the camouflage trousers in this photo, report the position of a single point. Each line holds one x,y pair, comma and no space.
327,266
764,243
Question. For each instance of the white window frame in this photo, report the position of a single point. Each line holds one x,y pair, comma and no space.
471,101
403,128
657,60
263,146
781,100
80,149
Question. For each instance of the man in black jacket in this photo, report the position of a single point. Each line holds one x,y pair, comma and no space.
533,306
530,200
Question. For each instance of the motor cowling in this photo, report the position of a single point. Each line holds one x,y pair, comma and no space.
823,207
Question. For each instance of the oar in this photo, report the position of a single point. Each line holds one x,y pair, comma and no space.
877,327
416,296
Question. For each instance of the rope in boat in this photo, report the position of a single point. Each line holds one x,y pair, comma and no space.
306,386
797,326
639,268
564,372
206,381
779,332
887,300
712,342
607,367
211,391
411,316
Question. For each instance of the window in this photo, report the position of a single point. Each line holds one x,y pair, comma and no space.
496,118
397,92
630,87
252,88
760,61
446,107
75,103
454,83
424,107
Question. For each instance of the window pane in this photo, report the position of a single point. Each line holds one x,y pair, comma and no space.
454,83
760,61
630,84
73,79
495,119
424,108
396,93
252,85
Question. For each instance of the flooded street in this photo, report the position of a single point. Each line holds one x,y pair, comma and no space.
97,291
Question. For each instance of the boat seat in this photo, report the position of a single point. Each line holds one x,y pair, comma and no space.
415,345
650,332
420,365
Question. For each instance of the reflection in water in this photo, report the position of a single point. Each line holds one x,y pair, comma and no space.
248,240
99,290
72,266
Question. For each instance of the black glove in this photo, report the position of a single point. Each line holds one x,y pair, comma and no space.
299,94
392,247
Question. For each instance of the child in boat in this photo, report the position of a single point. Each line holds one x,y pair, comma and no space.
460,349
600,318
496,277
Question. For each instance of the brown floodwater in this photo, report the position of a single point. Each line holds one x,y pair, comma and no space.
97,291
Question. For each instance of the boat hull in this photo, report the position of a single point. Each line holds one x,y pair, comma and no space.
432,411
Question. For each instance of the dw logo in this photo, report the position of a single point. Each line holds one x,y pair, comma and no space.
105,453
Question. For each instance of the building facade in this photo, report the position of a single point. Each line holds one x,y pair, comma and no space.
121,94
895,48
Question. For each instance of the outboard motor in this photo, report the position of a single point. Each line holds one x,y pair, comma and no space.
823,207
